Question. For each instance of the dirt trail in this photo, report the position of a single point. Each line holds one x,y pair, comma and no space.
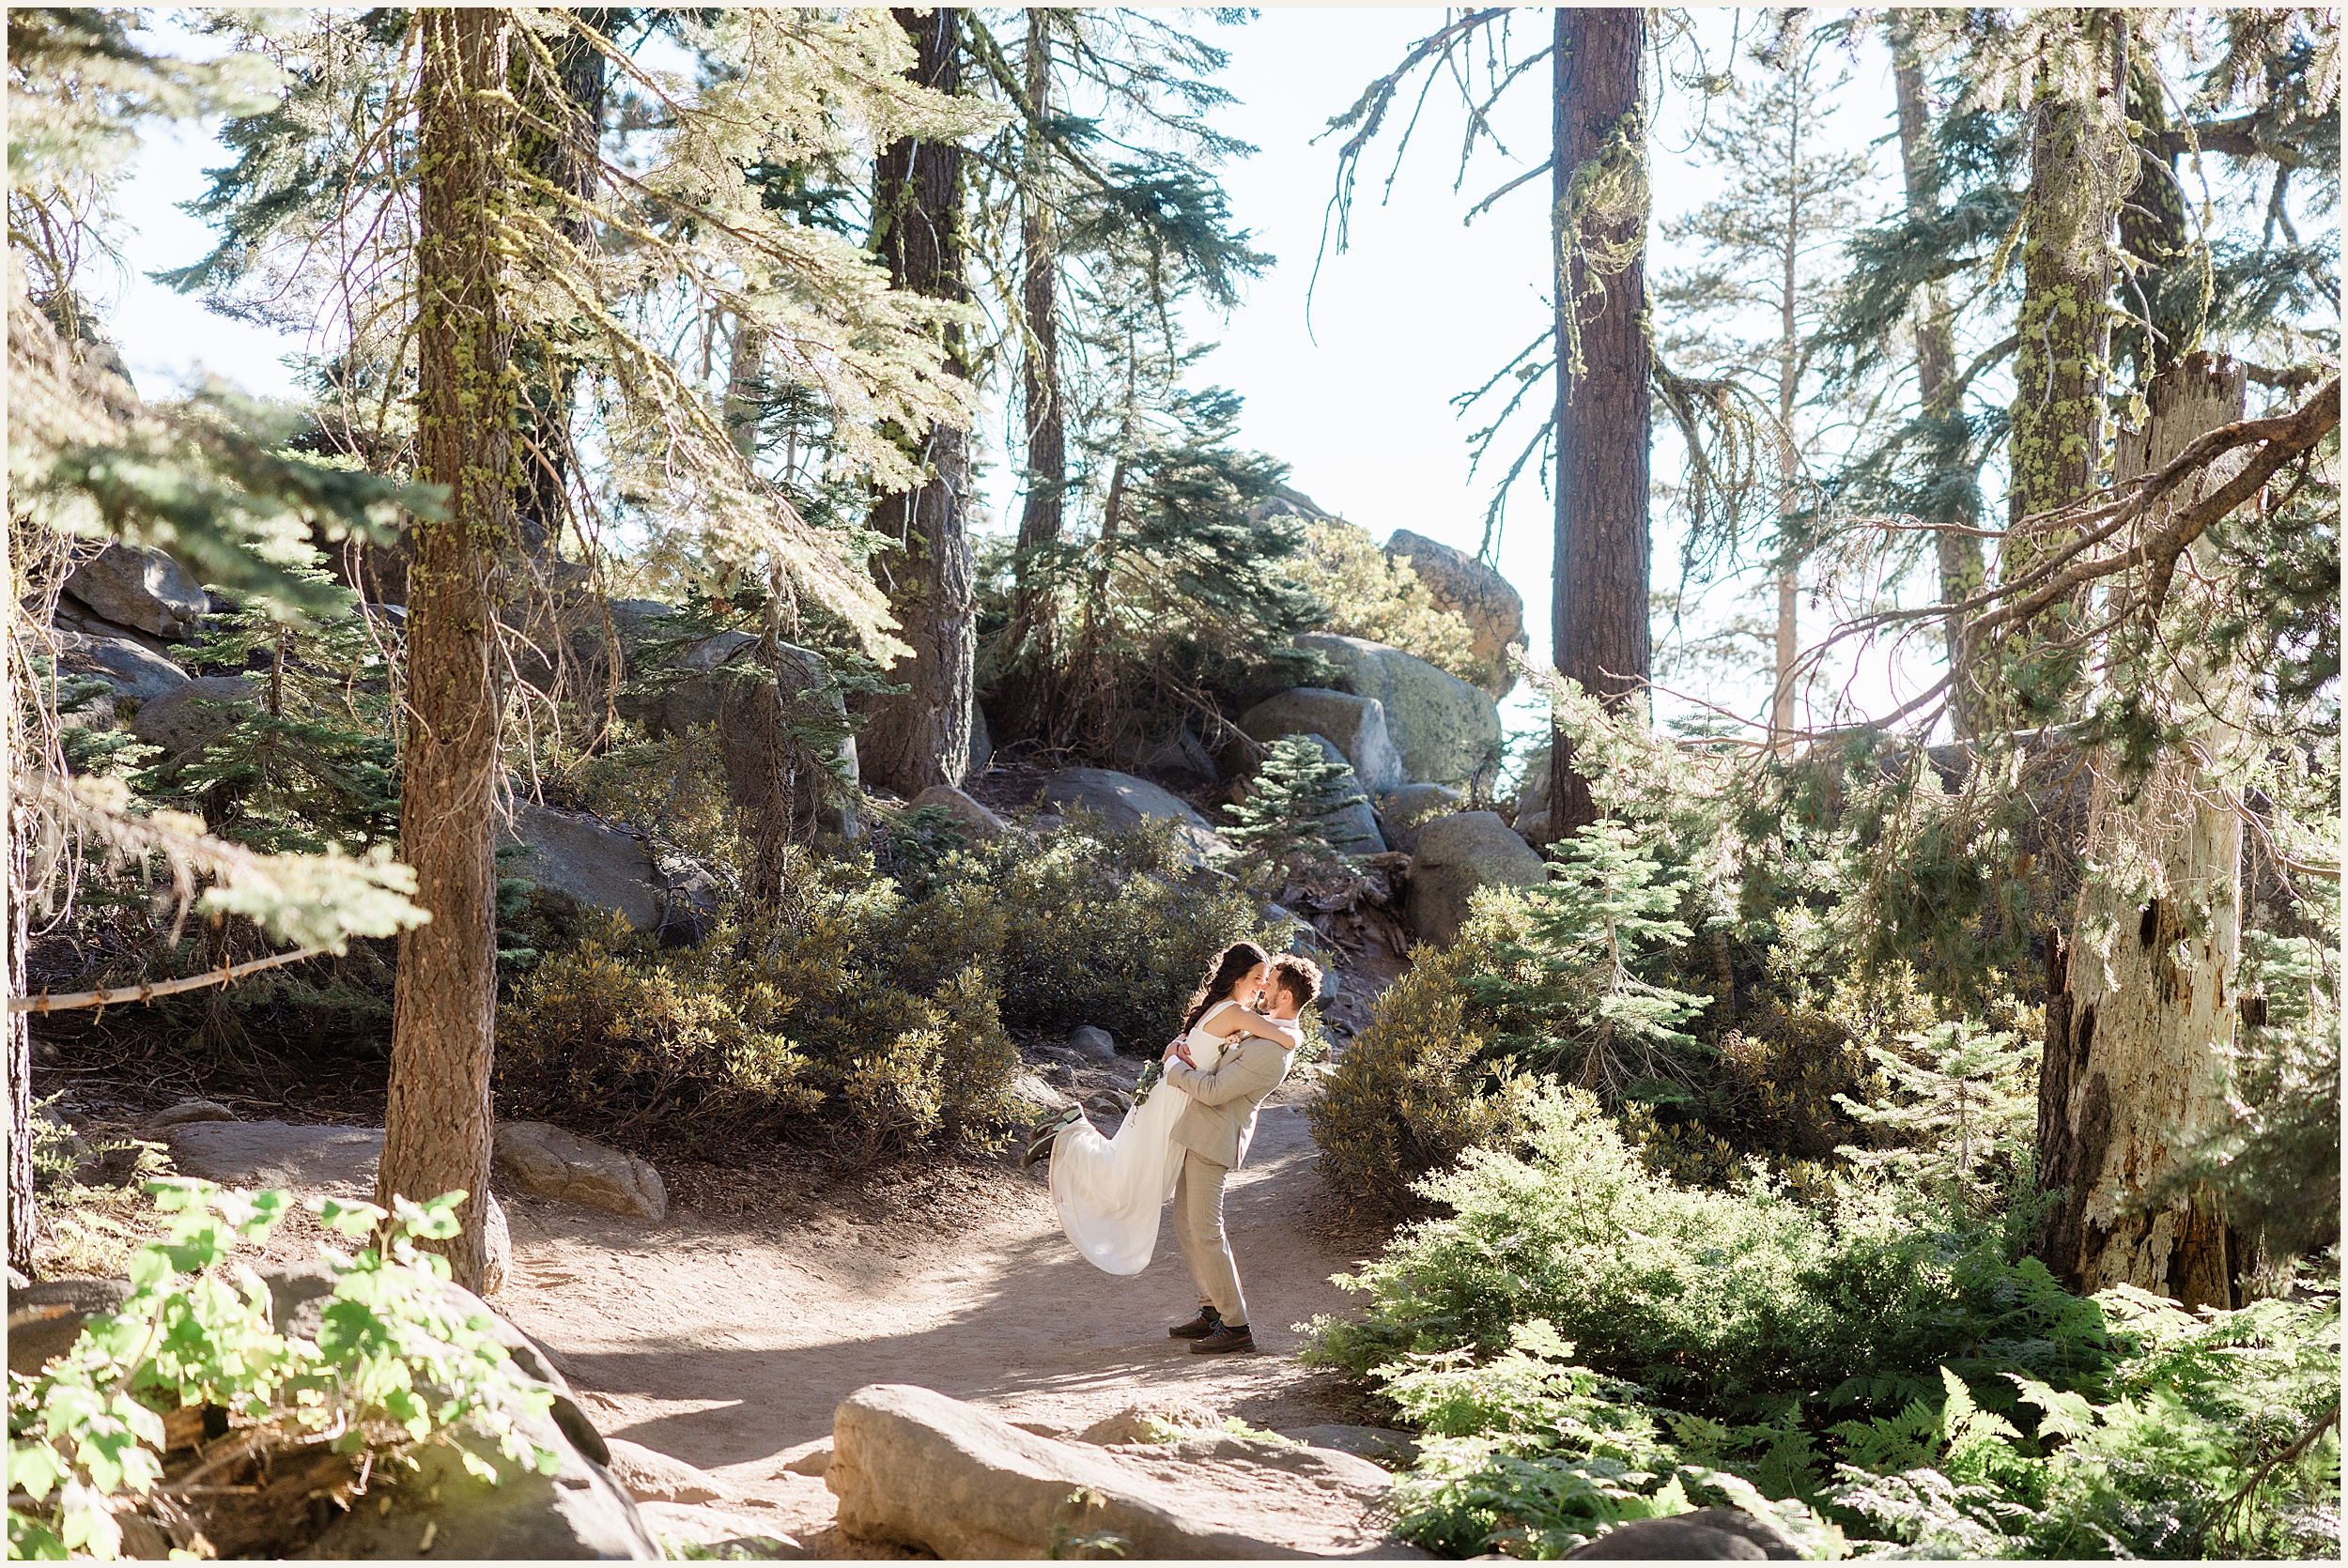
727,1343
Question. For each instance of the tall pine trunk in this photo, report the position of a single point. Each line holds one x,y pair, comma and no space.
436,1128
922,737
1599,627
1963,567
2080,164
1788,453
1029,652
2141,1006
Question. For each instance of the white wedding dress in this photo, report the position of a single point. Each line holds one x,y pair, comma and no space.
1110,1191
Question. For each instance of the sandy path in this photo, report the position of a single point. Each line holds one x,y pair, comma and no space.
726,1342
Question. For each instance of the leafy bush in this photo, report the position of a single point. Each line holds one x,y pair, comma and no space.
1369,594
884,1011
1417,1088
1740,1305
1584,1343
93,1437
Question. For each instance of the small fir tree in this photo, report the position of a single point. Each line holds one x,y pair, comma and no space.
1578,990
1958,1096
1289,823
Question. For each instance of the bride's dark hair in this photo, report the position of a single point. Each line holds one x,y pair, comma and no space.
1222,975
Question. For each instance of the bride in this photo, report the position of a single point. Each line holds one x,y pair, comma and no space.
1109,1190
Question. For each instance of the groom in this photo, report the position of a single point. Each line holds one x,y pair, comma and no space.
1213,1131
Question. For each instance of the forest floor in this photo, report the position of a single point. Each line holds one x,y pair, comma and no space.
726,1339
781,1282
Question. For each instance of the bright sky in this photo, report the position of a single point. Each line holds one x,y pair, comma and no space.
1356,396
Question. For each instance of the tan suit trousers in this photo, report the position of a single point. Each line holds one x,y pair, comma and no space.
1199,1227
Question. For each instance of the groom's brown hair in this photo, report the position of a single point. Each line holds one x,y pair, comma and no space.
1298,977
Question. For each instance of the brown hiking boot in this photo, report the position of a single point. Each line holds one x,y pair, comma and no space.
1227,1336
1206,1323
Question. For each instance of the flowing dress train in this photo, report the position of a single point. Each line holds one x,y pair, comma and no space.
1109,1190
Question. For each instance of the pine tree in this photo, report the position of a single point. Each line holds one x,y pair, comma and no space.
1578,990
1290,825
922,737
1599,626
436,1118
1957,1098
1773,244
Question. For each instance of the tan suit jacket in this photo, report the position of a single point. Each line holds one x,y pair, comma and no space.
1220,1119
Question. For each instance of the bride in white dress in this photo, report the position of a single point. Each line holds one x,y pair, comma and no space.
1109,1190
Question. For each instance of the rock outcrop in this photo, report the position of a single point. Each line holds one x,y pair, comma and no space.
1477,595
1355,725
439,1510
914,1468
1402,814
1123,801
545,1159
578,862
1456,855
195,714
1445,730
141,588
130,667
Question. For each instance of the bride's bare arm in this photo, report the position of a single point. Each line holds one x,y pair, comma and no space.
1285,1032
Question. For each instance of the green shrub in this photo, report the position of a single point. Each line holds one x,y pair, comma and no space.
1582,1343
885,1013
1416,1089
1740,1305
1285,829
395,1364
1368,593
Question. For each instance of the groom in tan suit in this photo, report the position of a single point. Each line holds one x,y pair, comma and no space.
1213,1131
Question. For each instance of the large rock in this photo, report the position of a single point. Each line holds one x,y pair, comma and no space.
1456,855
975,821
191,716
130,667
578,862
1402,814
1179,751
1447,731
1708,1534
545,1159
46,1317
135,586
912,1468
441,1510
1123,802
1356,725
579,1511
336,1160
1477,595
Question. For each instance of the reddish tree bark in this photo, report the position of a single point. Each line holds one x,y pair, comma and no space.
1599,616
436,1125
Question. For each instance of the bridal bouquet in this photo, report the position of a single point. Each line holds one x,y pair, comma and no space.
1152,1073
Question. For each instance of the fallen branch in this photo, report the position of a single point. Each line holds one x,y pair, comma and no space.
149,990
